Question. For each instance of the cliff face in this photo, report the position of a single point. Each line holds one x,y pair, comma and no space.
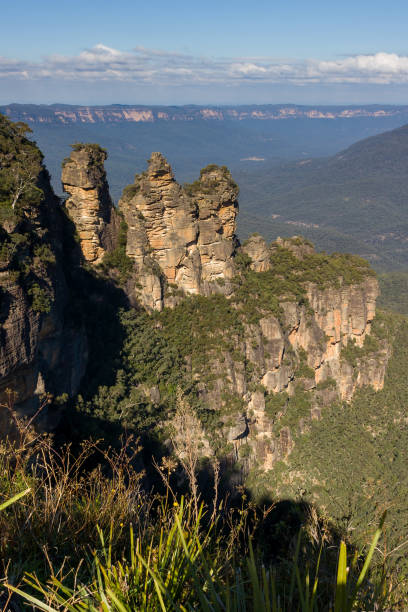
89,203
270,378
288,370
180,239
42,350
301,315
135,114
270,334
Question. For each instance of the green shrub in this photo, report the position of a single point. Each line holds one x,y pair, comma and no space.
40,299
20,169
117,260
275,403
303,370
44,254
130,191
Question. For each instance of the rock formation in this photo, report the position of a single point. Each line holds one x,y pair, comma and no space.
216,196
89,203
292,328
257,249
300,354
180,239
182,242
42,349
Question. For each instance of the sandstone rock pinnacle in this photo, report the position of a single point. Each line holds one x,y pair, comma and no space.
89,203
181,238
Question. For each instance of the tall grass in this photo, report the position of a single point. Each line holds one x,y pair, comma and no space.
179,572
78,532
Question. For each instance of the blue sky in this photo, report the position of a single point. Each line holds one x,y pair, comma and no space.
177,52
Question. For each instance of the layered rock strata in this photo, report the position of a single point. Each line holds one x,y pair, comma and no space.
181,239
89,204
182,242
300,355
43,350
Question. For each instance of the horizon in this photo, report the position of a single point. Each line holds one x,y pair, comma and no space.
213,104
183,54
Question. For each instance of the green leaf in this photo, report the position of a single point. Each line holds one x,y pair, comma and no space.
14,499
341,585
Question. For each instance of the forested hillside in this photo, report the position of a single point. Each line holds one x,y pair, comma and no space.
356,196
181,408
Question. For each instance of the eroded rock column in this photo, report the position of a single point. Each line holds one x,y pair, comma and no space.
89,204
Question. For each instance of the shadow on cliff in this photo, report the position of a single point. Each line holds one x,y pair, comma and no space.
273,525
5,305
96,305
93,306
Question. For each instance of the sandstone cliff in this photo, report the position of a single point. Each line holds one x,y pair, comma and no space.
89,203
295,316
61,114
180,239
285,360
264,337
42,349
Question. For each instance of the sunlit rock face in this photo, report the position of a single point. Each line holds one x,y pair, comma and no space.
299,352
257,249
182,241
180,238
89,204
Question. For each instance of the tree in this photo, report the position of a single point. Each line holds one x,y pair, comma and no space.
20,166
24,171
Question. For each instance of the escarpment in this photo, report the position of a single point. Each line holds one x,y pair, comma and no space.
302,339
43,350
89,203
262,338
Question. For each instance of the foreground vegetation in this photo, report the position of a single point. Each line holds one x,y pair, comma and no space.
84,534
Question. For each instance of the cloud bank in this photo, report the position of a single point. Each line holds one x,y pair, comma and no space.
149,66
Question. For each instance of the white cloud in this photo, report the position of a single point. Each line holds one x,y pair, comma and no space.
102,63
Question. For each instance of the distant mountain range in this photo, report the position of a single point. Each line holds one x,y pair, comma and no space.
284,158
356,200
64,113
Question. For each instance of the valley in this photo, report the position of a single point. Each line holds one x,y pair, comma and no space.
154,318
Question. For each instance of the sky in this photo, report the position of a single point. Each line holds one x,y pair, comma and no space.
195,52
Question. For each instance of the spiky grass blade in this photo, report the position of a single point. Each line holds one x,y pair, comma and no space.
8,503
37,602
341,583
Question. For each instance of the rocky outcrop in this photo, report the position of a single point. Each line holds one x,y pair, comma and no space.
180,239
283,369
340,316
216,196
289,330
299,246
257,249
43,348
89,204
